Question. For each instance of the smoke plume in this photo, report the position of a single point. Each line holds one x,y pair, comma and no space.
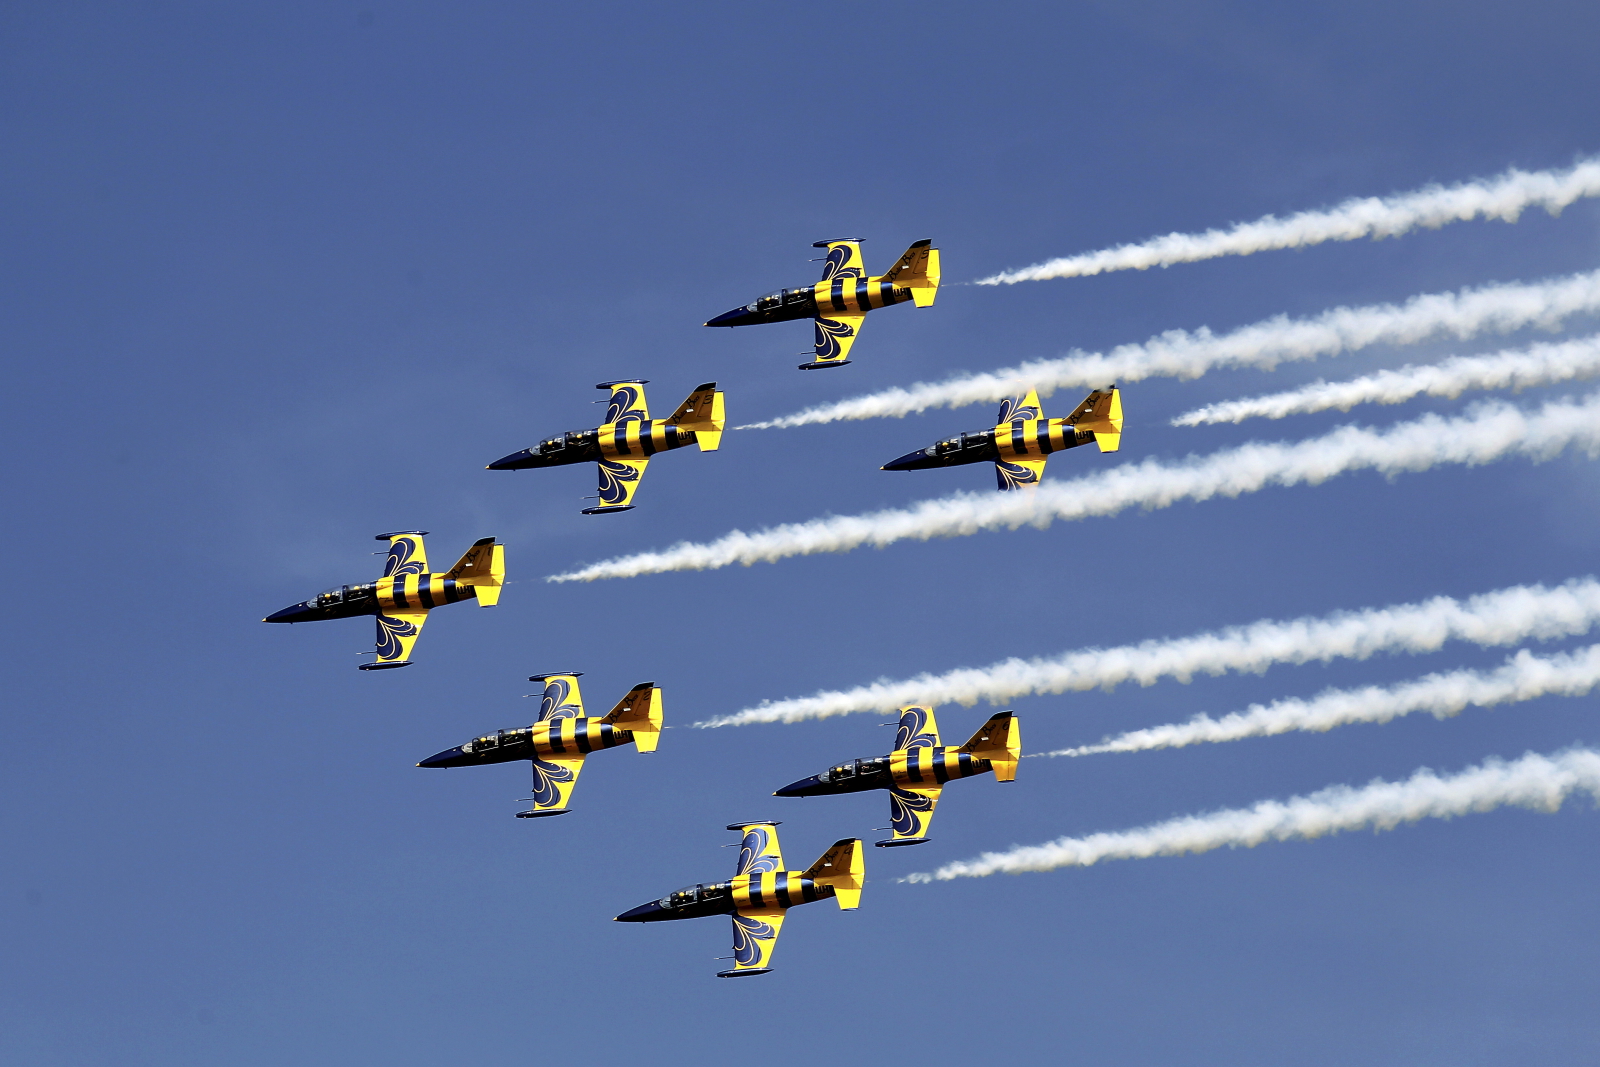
1523,677
1189,354
1499,618
1503,197
1489,432
1534,781
1540,364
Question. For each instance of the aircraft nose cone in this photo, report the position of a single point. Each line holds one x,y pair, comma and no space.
642,914
805,787
515,461
737,317
911,461
450,757
292,613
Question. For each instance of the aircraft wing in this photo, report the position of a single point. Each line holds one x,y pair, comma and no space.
911,810
755,932
835,335
627,402
406,555
397,633
553,780
1023,407
561,699
1018,473
619,480
844,260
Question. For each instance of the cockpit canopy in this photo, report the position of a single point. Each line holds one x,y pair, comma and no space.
695,894
490,742
858,767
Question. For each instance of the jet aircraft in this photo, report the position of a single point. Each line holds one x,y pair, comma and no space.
759,894
917,770
558,741
1024,439
402,598
843,297
627,439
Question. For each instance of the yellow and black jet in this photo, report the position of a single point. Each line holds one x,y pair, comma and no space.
402,598
759,894
843,297
624,443
1024,439
558,741
917,770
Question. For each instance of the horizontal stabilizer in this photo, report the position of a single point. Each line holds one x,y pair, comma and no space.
639,713
1000,742
841,867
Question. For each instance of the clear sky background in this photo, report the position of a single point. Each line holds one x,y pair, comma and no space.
279,277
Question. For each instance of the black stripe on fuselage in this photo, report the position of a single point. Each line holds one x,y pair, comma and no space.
940,775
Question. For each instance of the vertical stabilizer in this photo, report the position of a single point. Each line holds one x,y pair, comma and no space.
1000,742
842,868
639,713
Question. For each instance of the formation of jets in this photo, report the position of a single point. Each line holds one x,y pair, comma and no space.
560,739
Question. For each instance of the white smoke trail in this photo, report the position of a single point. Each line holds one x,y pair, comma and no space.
1534,781
1185,354
1539,364
1499,618
1488,432
1523,677
1503,197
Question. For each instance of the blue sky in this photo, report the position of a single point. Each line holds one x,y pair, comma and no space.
280,277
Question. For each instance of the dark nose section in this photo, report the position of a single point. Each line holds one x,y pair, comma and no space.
450,757
805,787
292,613
737,317
644,913
514,462
912,461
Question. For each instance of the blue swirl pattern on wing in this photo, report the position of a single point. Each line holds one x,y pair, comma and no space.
746,932
545,777
622,400
554,703
1013,475
390,631
835,268
613,477
750,859
903,809
828,332
1011,410
913,731
400,562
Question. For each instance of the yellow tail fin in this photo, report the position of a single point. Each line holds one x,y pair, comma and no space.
702,413
483,567
842,868
1101,414
1000,742
917,270
639,713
